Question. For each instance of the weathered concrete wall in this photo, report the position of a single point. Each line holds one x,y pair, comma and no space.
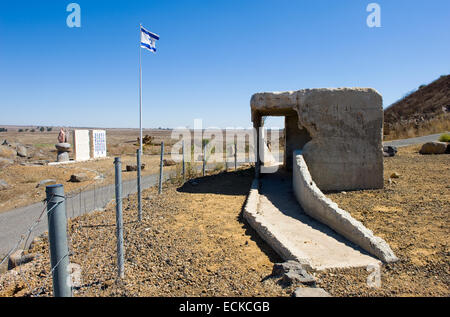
295,139
345,125
318,206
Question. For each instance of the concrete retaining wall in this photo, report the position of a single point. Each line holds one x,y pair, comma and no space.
318,206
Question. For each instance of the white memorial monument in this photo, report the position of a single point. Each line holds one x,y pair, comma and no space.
81,145
89,144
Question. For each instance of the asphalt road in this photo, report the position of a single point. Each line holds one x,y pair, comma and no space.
412,141
16,222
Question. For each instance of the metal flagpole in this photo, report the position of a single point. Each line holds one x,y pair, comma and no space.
139,152
140,88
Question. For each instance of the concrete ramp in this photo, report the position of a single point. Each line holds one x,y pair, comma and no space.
277,216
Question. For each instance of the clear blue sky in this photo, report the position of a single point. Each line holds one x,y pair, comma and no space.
212,56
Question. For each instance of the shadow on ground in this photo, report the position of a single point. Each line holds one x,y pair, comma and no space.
233,183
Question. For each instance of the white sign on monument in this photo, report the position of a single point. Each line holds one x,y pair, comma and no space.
98,143
81,145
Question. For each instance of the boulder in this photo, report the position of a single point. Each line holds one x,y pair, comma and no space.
18,258
63,157
310,292
168,162
46,182
293,272
63,147
389,151
131,168
7,152
433,148
21,151
78,178
3,185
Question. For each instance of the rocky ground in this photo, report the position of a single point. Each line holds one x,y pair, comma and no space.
194,242
412,213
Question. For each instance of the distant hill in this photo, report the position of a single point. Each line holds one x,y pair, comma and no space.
421,112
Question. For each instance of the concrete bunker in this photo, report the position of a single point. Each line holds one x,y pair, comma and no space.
333,141
338,130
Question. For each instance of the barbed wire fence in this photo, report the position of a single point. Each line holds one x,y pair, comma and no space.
91,197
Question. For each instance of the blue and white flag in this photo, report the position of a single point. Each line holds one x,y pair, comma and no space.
148,40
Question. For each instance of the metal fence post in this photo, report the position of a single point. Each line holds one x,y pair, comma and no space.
204,159
119,220
161,164
235,156
184,166
57,236
139,193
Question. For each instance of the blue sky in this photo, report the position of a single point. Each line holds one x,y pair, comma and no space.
212,56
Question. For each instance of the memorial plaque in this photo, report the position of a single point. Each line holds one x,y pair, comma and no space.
98,143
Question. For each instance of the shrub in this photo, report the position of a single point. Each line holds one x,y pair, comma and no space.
49,129
42,129
20,130
445,137
3,130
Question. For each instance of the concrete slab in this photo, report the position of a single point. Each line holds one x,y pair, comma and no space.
305,237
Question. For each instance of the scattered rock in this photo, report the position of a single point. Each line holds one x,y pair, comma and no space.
132,168
75,274
282,268
46,182
168,162
293,272
433,148
19,258
21,151
3,185
395,175
389,150
310,292
78,178
298,276
63,147
63,157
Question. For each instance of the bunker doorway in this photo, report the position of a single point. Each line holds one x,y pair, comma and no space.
290,136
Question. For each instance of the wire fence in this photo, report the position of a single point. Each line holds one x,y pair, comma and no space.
77,203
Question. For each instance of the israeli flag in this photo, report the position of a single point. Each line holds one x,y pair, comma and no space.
148,40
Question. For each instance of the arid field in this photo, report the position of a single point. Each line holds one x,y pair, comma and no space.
193,240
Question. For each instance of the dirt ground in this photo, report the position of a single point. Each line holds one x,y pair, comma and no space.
412,213
191,242
24,176
194,242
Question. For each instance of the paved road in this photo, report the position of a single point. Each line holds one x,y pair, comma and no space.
16,222
418,140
